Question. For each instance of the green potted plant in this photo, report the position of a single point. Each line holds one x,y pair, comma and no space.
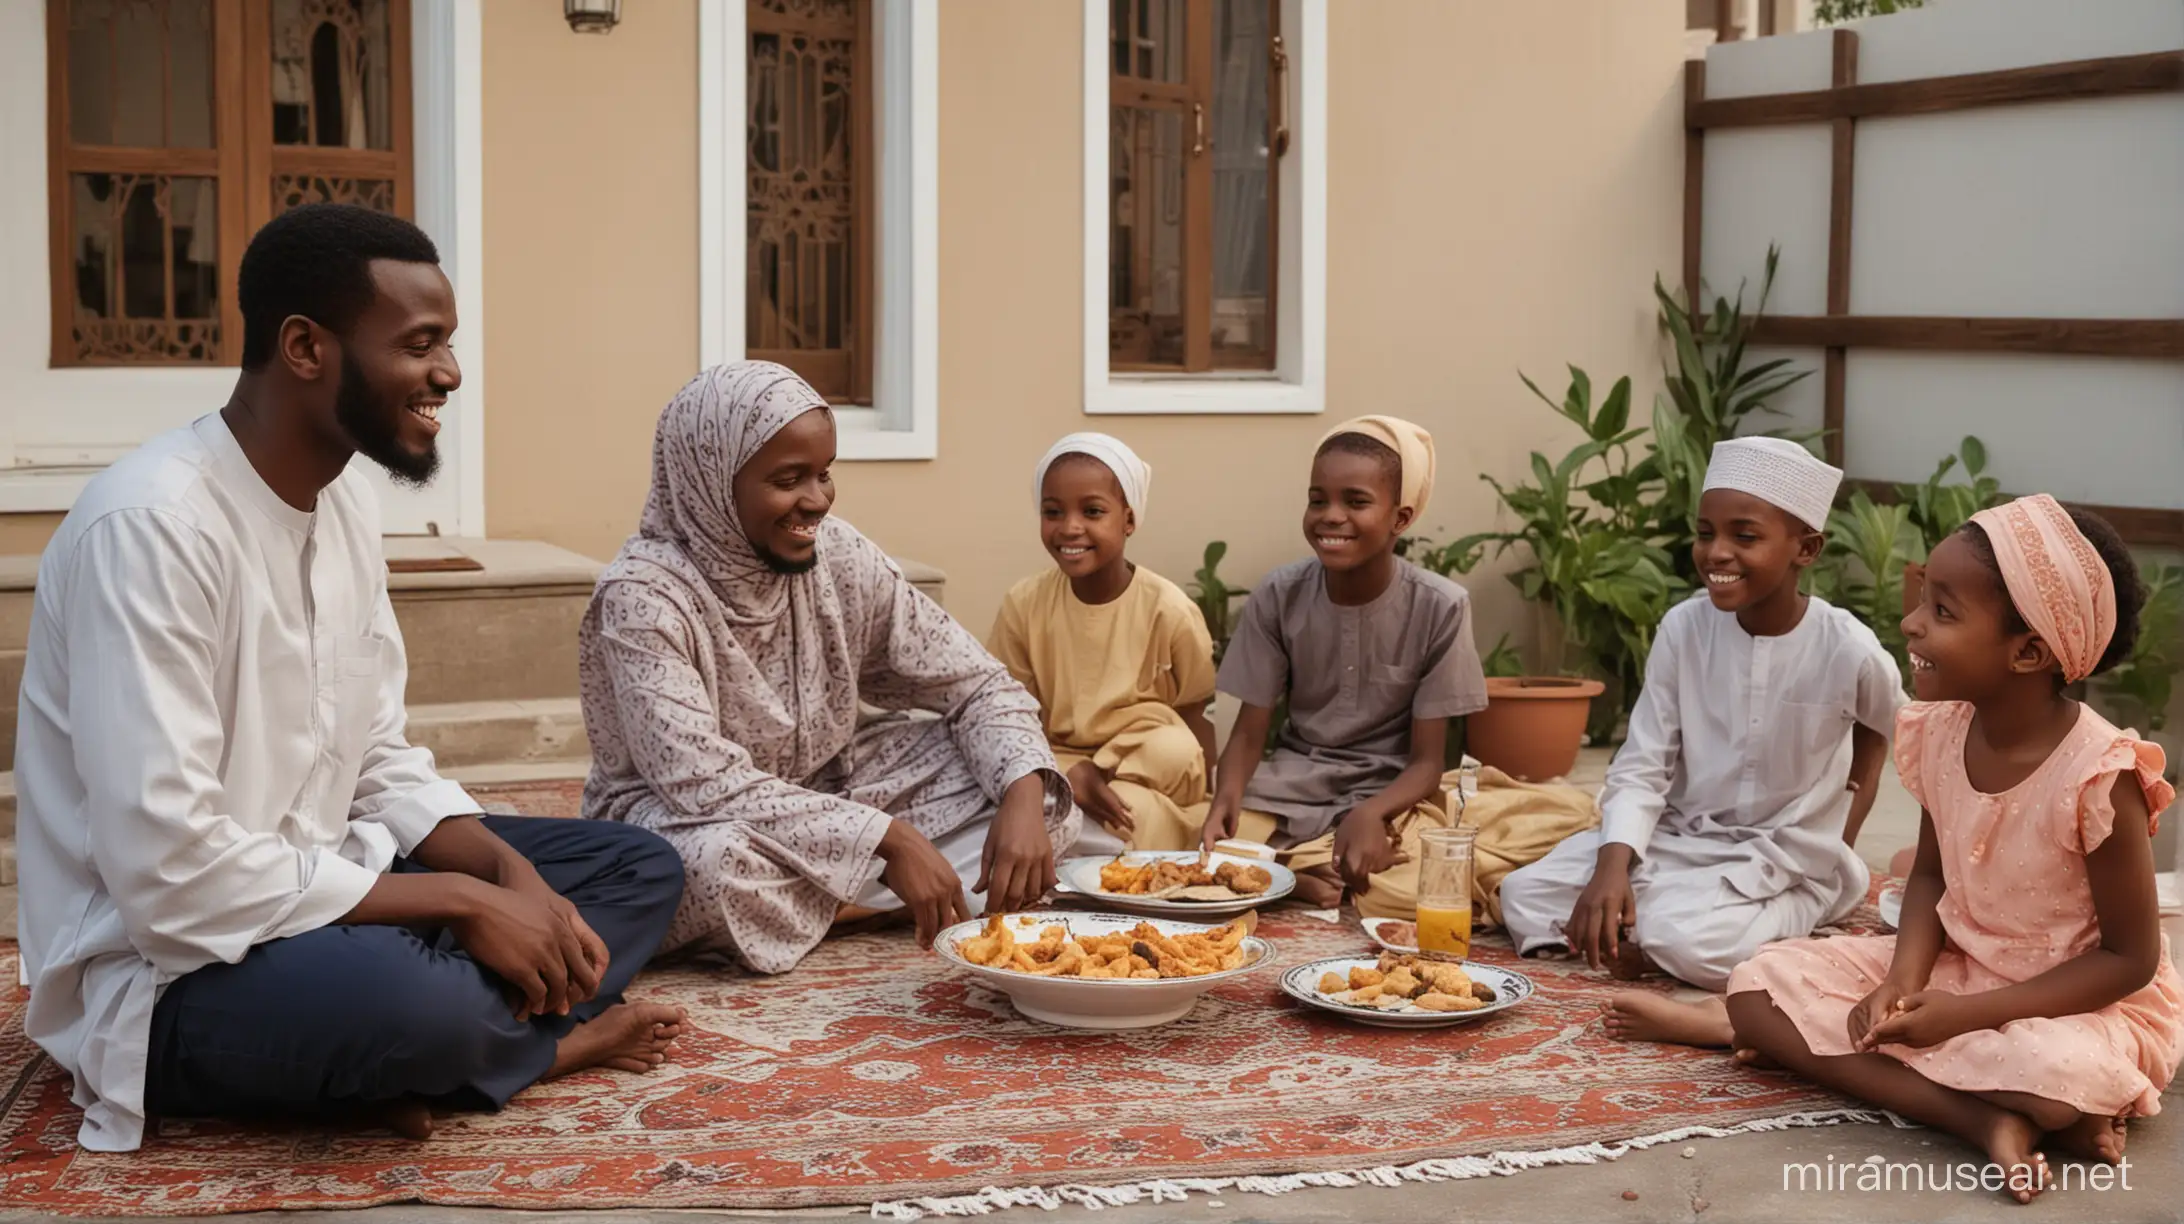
1937,510
1583,520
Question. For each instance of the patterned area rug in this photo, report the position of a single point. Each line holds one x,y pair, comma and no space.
872,1075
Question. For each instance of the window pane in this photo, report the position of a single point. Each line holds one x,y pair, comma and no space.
146,262
333,74
801,289
1148,39
1145,237
290,190
140,73
1242,182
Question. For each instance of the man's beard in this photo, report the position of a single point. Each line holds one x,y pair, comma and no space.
376,434
782,565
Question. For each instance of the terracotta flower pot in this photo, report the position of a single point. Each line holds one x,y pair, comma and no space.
1532,725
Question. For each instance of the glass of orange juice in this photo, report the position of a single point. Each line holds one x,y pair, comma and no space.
1444,891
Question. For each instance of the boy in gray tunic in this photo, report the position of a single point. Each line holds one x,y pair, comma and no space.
1375,656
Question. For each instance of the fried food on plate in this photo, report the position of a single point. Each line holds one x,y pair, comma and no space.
1180,880
1407,984
1143,953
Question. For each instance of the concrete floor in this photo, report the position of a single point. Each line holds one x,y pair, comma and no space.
1732,1180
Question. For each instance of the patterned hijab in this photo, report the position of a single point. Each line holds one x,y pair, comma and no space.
2060,585
715,425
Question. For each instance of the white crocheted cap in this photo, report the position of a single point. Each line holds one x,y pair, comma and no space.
1779,472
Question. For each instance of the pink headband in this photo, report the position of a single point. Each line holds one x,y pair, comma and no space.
2060,585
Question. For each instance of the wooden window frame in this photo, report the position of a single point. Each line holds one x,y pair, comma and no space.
863,327
244,161
1192,102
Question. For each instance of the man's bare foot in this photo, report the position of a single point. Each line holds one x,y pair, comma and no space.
409,1117
1756,1060
2095,1137
1318,891
2012,1141
626,1037
1637,1015
1630,962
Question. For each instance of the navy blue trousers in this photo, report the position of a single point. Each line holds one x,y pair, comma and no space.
346,1016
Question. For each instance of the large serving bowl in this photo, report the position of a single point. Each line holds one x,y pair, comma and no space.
1097,1003
1080,878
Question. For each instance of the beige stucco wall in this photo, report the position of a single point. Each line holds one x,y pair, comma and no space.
1504,181
591,261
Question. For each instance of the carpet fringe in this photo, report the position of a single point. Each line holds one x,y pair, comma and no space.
1458,1168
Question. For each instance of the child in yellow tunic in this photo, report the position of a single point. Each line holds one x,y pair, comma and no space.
1118,656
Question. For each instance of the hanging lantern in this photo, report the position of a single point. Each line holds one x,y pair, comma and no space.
592,16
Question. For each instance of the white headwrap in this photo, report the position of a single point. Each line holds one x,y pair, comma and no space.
1132,473
1779,472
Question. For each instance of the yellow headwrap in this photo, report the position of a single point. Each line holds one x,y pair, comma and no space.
1412,445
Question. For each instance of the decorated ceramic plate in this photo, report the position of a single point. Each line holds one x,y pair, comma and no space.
1394,934
1097,1003
1302,983
1080,878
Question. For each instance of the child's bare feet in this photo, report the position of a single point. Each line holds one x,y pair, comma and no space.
2012,1141
2095,1137
1319,887
1630,962
1637,1015
626,1037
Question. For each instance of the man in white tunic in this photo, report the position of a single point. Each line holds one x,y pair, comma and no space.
243,891
1729,812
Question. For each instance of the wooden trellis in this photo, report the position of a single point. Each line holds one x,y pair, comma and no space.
1841,105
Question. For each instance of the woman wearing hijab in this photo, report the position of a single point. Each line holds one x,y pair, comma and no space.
724,659
1374,656
1118,656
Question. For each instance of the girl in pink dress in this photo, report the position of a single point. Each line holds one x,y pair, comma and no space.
2028,997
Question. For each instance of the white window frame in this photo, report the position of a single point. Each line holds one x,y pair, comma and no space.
120,407
1298,382
904,421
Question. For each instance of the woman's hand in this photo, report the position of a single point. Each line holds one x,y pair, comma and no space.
1018,866
919,873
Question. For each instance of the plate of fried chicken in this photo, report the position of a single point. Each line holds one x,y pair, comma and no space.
1176,884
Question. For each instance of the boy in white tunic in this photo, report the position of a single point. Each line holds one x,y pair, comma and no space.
243,891
1728,814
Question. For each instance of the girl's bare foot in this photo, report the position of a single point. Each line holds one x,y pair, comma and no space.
626,1037
1757,1060
2095,1137
2011,1141
1637,1015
